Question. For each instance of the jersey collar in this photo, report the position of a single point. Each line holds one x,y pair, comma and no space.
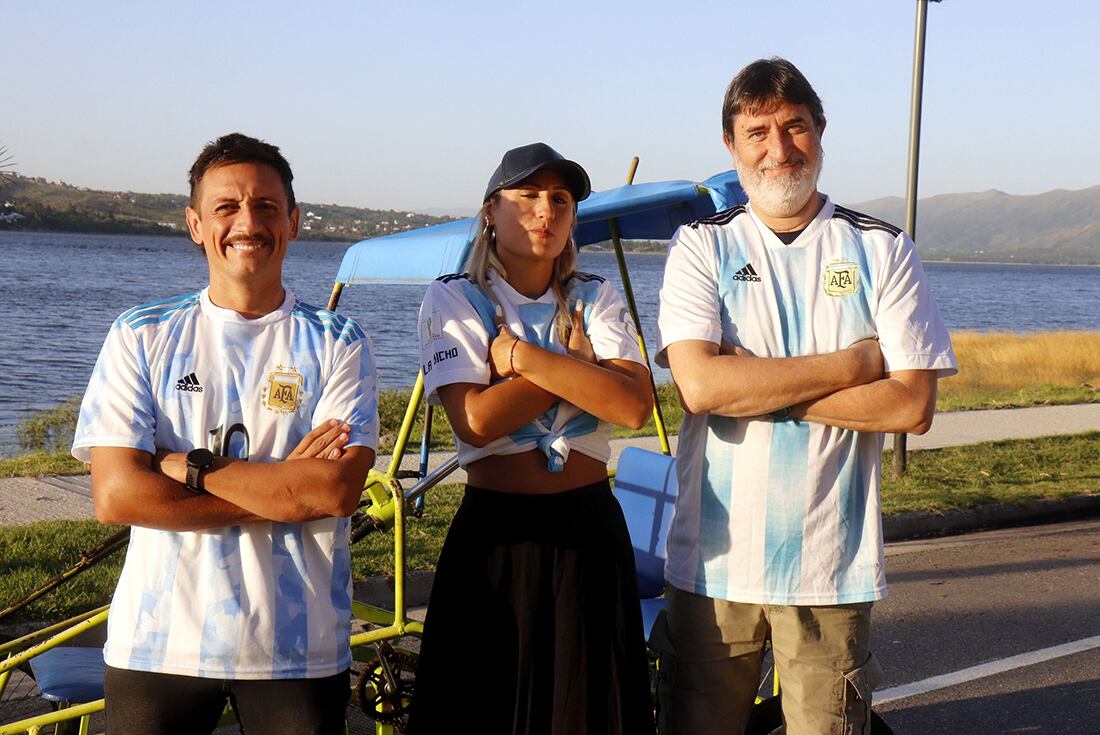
221,314
515,297
813,229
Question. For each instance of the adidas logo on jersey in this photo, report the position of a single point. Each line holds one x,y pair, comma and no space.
748,273
189,384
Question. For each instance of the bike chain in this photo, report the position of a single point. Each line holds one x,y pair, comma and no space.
385,687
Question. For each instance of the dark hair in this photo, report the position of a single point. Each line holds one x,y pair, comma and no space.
239,148
763,84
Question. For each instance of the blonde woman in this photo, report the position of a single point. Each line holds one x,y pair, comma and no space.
534,623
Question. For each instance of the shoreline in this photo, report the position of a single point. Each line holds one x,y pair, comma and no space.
1012,263
628,251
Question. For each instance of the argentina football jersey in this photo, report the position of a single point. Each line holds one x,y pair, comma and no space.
780,511
457,325
263,600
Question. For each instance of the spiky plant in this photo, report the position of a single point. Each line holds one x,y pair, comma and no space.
7,164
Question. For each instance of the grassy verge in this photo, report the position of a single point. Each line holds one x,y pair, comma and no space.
938,480
39,464
29,555
995,472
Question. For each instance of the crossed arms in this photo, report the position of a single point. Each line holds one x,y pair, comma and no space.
613,390
321,478
847,389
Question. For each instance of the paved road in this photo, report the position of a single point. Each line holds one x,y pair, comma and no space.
1014,598
986,599
25,500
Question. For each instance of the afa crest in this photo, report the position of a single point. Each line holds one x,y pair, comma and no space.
841,278
283,391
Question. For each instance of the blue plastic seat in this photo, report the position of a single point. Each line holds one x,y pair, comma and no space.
646,487
69,675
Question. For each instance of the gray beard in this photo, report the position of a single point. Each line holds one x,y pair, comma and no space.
779,196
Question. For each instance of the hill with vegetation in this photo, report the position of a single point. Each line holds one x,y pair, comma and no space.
28,203
1057,227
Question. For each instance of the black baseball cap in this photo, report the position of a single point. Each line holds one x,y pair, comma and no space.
519,163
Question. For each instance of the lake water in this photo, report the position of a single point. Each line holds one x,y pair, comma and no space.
60,293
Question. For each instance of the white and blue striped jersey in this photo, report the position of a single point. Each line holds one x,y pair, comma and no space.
457,326
264,600
788,512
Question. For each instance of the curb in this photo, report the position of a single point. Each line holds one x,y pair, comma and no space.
926,524
378,591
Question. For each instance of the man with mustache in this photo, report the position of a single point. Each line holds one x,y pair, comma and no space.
797,332
233,429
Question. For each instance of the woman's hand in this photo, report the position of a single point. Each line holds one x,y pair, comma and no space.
325,442
500,350
580,346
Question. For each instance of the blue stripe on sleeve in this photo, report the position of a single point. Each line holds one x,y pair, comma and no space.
339,327
157,312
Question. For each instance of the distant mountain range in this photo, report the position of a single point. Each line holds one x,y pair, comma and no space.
1060,226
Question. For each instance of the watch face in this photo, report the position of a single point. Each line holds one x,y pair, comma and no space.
201,458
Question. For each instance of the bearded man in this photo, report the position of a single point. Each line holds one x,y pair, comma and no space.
797,332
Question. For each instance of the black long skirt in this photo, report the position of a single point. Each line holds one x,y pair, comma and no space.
534,625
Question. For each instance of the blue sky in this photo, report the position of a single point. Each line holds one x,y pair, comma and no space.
410,105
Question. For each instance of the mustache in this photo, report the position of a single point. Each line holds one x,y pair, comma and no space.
248,240
790,161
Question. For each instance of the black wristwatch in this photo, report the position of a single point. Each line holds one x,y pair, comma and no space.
198,461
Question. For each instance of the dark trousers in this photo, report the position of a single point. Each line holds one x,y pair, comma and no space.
166,704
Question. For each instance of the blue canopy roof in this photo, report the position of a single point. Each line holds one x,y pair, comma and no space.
644,212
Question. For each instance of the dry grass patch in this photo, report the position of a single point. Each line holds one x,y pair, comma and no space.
999,369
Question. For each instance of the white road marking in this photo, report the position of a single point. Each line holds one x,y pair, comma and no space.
991,668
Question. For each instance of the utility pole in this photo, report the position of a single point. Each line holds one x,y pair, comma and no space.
899,463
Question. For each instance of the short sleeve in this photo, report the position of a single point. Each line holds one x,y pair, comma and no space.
689,306
911,331
454,346
611,328
351,392
118,408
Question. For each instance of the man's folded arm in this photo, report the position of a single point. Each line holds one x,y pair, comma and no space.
902,402
126,489
322,478
742,385
293,490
